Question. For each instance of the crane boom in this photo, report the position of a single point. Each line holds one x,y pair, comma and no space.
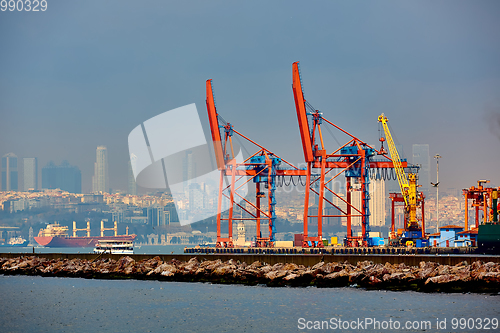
300,106
214,127
396,160
408,185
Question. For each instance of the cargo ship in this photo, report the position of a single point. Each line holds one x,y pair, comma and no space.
56,235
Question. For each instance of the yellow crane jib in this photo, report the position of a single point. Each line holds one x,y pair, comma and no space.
396,160
408,185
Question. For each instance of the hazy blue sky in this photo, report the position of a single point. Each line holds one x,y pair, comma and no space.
85,73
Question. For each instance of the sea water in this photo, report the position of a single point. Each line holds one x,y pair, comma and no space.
48,304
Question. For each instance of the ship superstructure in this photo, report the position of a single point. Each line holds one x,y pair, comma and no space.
55,235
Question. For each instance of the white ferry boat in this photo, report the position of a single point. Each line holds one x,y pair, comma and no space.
114,247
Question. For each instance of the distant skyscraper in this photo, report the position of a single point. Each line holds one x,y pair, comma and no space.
422,158
132,186
30,165
189,169
356,202
65,177
196,196
100,180
377,202
10,177
378,195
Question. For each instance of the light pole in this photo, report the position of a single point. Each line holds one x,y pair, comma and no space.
437,157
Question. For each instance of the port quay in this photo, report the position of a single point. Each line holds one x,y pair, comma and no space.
424,273
299,258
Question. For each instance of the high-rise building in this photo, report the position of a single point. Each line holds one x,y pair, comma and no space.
156,216
118,213
189,170
377,202
100,180
356,203
30,165
196,196
65,177
132,185
10,176
422,158
338,201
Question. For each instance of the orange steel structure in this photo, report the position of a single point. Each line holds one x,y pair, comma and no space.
482,199
262,168
398,197
354,159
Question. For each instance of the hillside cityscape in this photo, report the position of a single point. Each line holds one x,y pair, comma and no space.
30,202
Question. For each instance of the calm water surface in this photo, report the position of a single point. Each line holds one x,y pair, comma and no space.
43,304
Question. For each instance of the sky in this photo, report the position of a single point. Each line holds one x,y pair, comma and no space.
85,73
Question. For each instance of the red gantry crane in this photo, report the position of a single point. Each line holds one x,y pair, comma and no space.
262,168
482,199
354,159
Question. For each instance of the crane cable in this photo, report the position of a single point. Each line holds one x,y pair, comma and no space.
281,181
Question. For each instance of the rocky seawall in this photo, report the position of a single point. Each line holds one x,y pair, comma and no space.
427,277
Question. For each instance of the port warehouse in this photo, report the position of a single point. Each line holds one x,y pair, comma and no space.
271,259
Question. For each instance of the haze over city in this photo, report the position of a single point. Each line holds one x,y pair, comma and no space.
84,74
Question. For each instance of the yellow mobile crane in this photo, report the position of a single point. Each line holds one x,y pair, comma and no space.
408,186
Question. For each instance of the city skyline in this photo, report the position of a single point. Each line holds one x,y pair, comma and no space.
189,171
431,67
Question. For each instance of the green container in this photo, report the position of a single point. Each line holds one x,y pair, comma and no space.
488,238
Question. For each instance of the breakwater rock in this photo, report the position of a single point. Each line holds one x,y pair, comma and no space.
428,276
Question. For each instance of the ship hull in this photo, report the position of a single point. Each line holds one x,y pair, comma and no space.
79,241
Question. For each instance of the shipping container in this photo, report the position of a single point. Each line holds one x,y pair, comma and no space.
376,241
283,244
298,238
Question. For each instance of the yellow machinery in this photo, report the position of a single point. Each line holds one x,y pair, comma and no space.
408,185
